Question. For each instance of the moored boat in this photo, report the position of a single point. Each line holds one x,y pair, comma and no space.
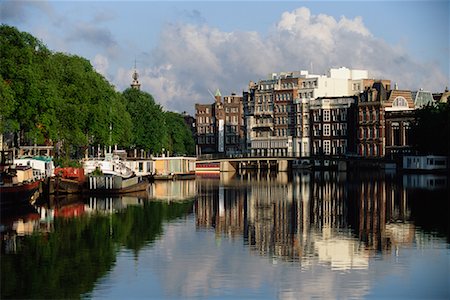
108,184
67,181
17,183
111,176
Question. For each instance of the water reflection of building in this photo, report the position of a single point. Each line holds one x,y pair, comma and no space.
335,218
380,203
172,189
220,208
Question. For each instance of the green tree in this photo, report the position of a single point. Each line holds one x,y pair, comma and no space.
431,131
180,139
22,59
149,129
55,97
7,120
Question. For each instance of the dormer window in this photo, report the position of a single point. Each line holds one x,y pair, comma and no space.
400,102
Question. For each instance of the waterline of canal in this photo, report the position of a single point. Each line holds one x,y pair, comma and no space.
309,235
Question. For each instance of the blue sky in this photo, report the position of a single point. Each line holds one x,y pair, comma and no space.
185,48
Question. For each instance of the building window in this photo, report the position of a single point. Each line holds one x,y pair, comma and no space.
326,129
335,147
334,115
316,130
395,135
344,115
326,147
316,147
407,133
326,115
400,102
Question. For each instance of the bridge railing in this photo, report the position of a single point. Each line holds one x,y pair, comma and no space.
247,155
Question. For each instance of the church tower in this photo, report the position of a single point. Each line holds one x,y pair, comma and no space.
135,84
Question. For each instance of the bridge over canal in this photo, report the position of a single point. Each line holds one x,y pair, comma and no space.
281,164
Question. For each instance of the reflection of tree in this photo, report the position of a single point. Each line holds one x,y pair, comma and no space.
138,226
67,262
430,210
63,264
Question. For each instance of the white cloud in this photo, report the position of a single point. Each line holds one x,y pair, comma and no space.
101,64
192,59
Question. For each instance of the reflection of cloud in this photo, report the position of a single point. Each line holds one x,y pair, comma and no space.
202,57
193,264
341,253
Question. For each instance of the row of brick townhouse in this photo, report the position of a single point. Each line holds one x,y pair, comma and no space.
220,126
302,115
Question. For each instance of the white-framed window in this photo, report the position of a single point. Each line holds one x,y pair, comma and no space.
326,147
326,115
326,129
400,102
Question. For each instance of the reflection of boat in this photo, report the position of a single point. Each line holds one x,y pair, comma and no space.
179,190
302,164
70,210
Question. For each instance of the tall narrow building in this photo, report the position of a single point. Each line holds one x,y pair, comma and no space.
220,126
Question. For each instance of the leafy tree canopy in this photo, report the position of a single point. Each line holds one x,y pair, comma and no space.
431,132
59,99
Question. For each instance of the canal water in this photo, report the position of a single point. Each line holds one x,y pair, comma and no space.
253,235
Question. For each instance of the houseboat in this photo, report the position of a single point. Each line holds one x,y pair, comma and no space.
67,180
425,163
43,166
173,168
111,176
17,183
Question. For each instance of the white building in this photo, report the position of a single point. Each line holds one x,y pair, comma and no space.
339,83
277,109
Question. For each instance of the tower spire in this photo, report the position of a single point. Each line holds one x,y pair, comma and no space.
135,84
